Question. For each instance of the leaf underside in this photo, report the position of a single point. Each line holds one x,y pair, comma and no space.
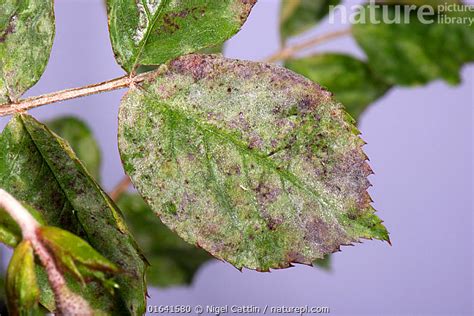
154,32
252,162
26,39
38,167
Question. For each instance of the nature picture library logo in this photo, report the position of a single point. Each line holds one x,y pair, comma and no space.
377,12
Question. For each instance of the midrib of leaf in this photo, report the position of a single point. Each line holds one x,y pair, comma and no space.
224,201
45,161
220,193
145,6
176,118
257,155
172,120
155,18
119,224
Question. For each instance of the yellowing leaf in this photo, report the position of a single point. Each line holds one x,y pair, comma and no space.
75,255
21,287
10,233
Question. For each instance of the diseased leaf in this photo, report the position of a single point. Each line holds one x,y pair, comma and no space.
26,39
252,162
21,286
46,293
415,53
297,16
219,49
153,32
38,167
172,260
350,79
81,139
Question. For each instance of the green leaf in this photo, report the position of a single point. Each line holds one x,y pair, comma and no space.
217,49
172,260
350,79
46,293
38,167
26,39
415,53
297,16
324,263
21,287
75,255
81,139
153,32
252,162
10,233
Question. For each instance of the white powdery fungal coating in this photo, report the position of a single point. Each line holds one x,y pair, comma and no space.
252,162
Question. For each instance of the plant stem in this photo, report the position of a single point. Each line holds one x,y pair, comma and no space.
67,302
120,188
33,102
126,81
283,54
289,51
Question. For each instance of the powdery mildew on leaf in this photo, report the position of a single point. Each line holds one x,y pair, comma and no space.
250,161
154,32
40,168
26,39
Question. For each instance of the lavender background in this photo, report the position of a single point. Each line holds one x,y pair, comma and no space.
420,144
